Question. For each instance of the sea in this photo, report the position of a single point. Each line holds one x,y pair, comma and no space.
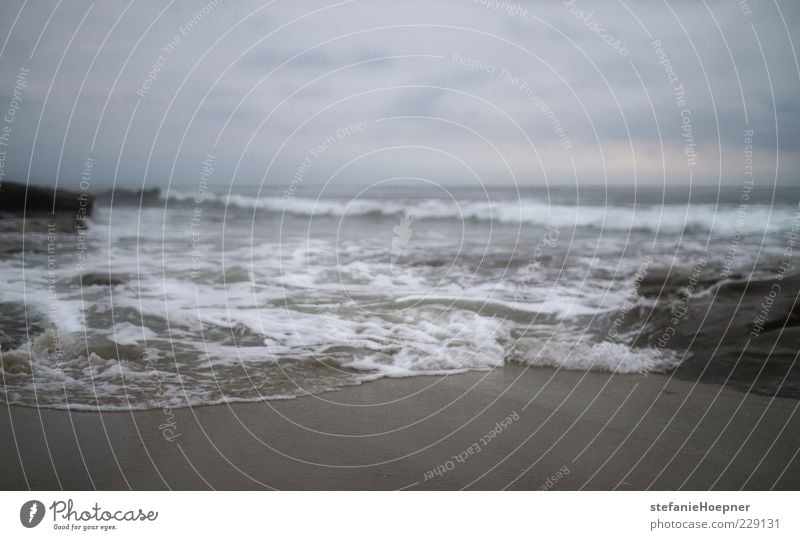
255,293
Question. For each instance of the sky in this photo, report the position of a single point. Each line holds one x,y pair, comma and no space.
457,92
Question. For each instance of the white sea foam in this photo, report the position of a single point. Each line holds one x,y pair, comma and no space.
586,356
668,218
271,316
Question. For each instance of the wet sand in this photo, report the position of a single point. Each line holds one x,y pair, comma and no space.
574,430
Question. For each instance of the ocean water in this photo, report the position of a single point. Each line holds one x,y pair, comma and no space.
254,294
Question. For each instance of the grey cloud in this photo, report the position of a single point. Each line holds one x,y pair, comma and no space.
223,62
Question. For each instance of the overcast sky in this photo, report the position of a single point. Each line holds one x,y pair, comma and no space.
561,96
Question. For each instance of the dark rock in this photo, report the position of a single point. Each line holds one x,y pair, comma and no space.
662,282
727,345
18,198
108,280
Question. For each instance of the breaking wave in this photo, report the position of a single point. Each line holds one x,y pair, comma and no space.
722,219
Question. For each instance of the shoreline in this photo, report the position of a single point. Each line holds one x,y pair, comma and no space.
568,430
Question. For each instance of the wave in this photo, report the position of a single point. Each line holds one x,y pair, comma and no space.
603,356
279,354
725,219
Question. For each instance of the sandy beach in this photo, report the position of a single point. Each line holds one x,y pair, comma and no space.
511,428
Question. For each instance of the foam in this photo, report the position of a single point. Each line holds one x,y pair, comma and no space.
668,218
586,356
275,319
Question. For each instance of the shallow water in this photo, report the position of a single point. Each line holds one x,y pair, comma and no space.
238,297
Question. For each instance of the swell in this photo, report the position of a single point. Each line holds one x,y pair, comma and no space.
676,218
671,218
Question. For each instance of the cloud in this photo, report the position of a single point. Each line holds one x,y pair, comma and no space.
260,84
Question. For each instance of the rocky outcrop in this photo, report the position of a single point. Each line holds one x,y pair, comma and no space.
108,280
17,198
